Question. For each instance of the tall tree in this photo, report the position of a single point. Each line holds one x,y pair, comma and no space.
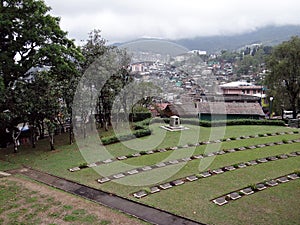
283,79
29,38
107,72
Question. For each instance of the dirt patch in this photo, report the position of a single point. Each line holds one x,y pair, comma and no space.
25,200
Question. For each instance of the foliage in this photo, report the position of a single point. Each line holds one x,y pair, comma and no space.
136,134
36,55
283,79
139,116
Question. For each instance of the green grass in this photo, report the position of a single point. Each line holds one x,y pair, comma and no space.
20,206
191,200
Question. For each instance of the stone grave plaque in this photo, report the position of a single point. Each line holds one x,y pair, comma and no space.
122,157
154,190
263,160
118,176
260,187
160,164
165,186
298,153
131,172
279,143
218,171
251,163
205,174
192,178
272,158
271,183
283,156
234,195
242,148
140,194
162,150
242,165
220,201
283,179
74,169
186,159
221,152
231,150
292,154
293,176
146,168
173,161
177,182
229,168
103,180
247,191
174,148
252,147
92,165
197,156
149,152
209,154
136,154
107,161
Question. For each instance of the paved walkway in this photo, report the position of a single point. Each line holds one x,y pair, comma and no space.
139,210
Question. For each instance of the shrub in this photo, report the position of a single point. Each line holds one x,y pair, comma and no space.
139,116
260,135
136,134
253,187
83,165
233,138
296,132
297,172
284,141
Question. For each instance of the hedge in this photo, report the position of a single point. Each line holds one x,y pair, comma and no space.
218,123
136,134
139,116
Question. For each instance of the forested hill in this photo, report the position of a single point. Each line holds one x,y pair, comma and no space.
271,35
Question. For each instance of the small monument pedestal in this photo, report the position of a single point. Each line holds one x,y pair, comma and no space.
174,124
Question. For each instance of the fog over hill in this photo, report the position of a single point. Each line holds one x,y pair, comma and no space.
271,35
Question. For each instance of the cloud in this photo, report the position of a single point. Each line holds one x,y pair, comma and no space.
131,19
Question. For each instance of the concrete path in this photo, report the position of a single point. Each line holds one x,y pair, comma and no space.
139,210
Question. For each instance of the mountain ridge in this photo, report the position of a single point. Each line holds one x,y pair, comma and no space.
269,35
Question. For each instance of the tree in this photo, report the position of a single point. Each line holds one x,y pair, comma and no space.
107,72
31,38
283,79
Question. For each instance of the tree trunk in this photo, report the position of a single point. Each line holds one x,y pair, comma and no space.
33,137
15,140
51,138
71,134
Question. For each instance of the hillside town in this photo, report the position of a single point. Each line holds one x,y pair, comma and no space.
195,78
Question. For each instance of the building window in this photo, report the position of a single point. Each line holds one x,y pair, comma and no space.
254,91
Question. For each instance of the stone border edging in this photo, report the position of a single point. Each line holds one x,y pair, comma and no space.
234,195
183,160
205,174
98,163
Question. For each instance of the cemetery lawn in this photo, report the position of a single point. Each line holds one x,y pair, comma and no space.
276,205
23,201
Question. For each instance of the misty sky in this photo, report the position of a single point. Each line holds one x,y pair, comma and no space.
125,20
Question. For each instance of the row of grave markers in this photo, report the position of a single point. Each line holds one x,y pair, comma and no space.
253,189
177,161
98,163
194,177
